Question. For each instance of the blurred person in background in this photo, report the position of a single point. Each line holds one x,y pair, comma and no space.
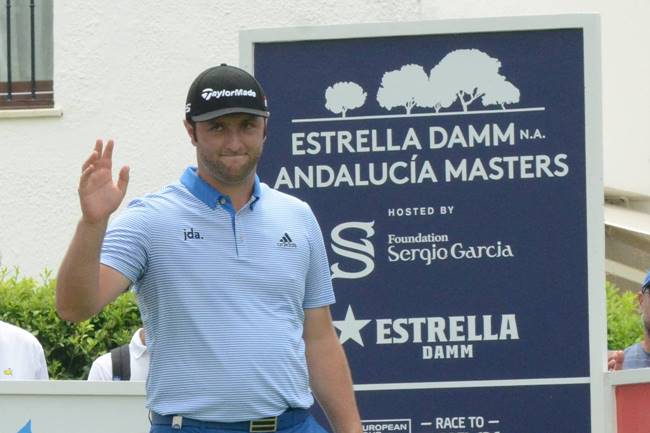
637,355
21,355
127,362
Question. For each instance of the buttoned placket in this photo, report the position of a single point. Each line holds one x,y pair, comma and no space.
236,219
241,219
238,233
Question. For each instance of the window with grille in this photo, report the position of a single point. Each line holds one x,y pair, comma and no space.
26,54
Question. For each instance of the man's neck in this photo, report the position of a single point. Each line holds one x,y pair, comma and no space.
239,193
239,198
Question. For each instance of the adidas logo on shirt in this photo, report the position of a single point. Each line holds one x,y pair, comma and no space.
286,242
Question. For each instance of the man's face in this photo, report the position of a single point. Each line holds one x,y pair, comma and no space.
228,147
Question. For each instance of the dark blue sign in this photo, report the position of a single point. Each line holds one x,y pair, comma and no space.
448,174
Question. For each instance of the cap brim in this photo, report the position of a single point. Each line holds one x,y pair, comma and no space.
225,111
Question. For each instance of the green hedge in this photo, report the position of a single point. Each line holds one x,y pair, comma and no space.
70,348
624,326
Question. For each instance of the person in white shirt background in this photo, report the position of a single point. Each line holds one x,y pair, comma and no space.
21,355
102,367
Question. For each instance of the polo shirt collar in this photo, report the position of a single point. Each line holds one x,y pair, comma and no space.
209,194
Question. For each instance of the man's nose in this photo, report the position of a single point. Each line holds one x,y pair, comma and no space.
233,139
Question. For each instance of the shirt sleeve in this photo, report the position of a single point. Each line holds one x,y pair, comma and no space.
318,285
40,363
126,241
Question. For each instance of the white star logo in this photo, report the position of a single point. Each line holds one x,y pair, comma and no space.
350,327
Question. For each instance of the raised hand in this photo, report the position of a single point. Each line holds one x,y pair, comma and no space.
615,360
98,195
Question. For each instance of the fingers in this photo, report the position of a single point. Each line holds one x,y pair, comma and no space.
615,360
94,155
611,364
86,173
98,147
100,152
97,152
620,357
101,156
123,179
108,151
91,159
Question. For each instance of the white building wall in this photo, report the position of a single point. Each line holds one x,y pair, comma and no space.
122,68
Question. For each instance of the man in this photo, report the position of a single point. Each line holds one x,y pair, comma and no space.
127,362
21,355
637,355
236,315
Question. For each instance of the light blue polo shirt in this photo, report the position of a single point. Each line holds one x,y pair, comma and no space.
636,357
222,296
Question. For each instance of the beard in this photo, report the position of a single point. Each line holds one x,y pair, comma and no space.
225,174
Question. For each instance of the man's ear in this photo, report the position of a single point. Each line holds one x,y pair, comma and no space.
639,297
190,131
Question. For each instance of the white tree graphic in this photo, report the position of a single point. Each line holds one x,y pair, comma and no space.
438,96
500,92
472,74
343,96
406,87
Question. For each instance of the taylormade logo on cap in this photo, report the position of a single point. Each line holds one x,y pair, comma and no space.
208,93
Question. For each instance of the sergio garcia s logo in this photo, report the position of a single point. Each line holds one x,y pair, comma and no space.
362,251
